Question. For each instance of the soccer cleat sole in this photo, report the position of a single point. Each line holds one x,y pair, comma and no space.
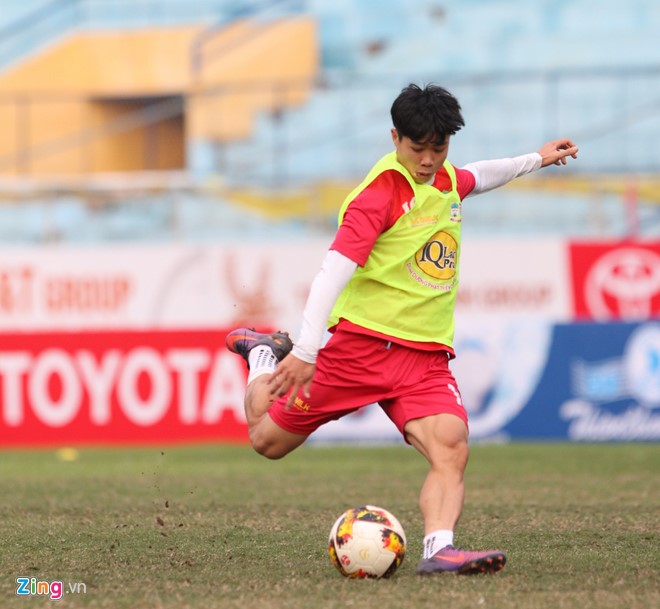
487,564
484,565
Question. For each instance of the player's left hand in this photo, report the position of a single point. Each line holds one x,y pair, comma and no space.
557,152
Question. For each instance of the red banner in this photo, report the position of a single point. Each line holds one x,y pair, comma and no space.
616,281
120,387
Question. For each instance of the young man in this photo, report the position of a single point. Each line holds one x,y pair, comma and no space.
387,290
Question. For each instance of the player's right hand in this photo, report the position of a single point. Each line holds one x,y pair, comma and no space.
290,376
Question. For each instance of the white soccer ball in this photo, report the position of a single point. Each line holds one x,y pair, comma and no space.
367,541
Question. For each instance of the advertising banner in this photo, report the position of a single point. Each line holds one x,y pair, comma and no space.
600,383
116,344
120,387
532,380
583,382
515,277
210,286
156,286
616,280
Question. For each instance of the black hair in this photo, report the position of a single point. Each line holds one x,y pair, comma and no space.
426,115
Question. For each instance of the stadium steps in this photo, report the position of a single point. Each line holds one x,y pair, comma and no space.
89,95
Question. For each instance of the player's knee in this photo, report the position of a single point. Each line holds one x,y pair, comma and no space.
269,451
449,452
456,454
267,447
463,451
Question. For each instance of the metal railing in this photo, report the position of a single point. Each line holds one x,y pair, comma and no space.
263,11
56,18
345,124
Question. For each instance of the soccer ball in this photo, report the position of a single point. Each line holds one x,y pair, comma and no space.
367,541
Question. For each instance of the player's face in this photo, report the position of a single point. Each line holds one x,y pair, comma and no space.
421,159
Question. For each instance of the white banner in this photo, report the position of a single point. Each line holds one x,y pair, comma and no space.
515,277
144,286
260,284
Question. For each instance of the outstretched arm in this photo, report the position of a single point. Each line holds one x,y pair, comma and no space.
498,172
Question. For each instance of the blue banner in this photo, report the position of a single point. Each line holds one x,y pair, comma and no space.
527,379
595,382
601,382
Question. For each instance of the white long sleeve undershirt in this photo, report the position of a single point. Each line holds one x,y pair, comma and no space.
498,172
337,270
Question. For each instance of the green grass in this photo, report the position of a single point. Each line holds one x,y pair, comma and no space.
220,527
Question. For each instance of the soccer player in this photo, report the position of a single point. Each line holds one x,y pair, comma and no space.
387,291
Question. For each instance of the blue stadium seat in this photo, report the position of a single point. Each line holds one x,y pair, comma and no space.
524,72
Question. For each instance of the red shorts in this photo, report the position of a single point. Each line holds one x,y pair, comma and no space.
355,370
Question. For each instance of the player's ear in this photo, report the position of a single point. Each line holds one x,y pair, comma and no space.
395,136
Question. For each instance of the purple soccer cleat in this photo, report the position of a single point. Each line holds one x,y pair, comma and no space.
463,562
243,340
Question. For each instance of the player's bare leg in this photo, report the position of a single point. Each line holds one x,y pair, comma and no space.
258,399
267,438
443,440
262,352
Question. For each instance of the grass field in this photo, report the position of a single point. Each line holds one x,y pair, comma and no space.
220,527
